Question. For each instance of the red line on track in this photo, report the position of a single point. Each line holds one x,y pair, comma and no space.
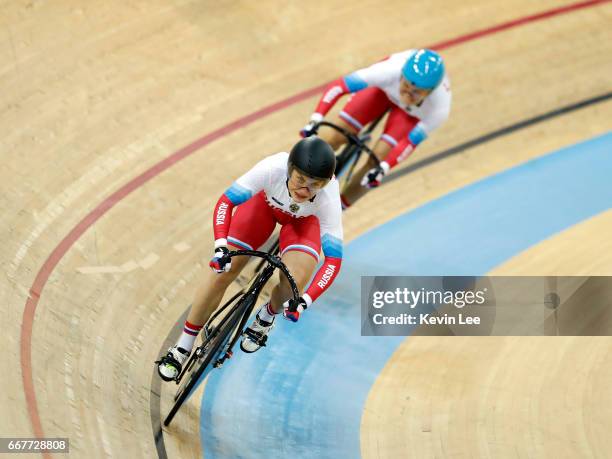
93,216
517,22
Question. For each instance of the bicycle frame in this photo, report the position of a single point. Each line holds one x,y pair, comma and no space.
351,153
250,296
250,300
236,320
247,303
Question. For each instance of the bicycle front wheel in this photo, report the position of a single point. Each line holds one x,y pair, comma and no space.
204,357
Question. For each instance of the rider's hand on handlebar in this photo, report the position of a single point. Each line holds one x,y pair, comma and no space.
220,263
308,130
375,175
288,312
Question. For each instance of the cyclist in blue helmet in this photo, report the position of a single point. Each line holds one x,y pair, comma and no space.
424,70
412,86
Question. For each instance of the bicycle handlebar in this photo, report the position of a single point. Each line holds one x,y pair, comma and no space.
277,263
351,137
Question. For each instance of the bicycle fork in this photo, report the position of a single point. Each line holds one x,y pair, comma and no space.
250,300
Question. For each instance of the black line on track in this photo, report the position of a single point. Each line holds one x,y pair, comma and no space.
156,383
155,399
496,134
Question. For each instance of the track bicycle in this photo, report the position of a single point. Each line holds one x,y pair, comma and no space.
226,326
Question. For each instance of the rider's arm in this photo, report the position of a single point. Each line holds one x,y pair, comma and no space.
332,249
330,222
430,121
222,218
404,148
356,81
336,89
241,191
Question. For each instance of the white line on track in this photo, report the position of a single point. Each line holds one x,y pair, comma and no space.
181,247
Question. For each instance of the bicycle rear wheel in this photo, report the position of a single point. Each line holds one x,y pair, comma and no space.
204,356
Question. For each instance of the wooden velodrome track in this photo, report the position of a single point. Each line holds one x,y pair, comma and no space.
96,93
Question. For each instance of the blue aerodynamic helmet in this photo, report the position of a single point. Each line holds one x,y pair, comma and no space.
424,69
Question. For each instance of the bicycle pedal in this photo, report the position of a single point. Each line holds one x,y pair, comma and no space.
255,336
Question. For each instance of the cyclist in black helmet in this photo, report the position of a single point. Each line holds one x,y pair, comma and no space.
297,190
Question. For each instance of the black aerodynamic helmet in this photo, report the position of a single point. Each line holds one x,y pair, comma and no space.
314,157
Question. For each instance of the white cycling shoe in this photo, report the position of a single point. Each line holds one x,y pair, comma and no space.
171,364
256,335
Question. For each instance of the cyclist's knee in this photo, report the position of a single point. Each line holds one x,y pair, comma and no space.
301,265
381,150
301,275
333,138
285,291
223,280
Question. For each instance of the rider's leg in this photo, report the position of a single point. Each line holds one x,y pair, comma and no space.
301,266
362,108
210,292
207,299
353,190
334,138
300,244
398,125
243,234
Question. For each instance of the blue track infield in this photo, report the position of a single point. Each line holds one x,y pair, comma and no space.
303,396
